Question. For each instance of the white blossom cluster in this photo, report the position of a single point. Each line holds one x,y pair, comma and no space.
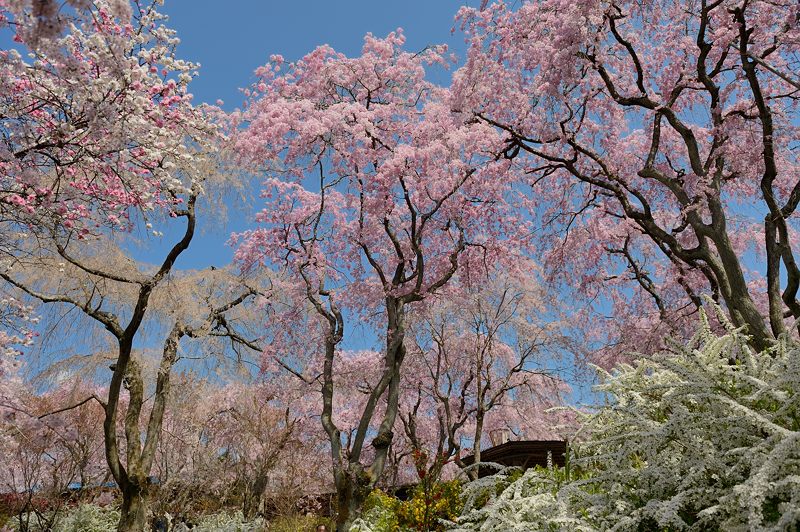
16,322
94,518
509,502
702,436
97,124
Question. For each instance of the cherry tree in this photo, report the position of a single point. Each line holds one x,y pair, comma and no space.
481,353
81,440
34,468
254,433
17,323
46,449
661,141
232,442
377,193
89,125
99,137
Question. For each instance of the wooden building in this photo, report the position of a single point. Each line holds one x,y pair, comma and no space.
524,454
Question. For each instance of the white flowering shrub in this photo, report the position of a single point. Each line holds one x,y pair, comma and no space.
362,524
511,500
703,436
94,518
228,522
83,518
89,518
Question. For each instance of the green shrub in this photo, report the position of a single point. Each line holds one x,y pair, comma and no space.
379,513
430,503
296,523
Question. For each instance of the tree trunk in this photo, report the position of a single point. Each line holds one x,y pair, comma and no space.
133,510
352,491
355,483
255,495
345,508
476,445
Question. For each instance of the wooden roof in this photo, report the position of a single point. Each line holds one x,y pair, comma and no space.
524,454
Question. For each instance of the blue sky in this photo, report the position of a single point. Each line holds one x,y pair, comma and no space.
230,43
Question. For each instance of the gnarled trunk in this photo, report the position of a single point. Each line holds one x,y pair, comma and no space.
254,495
134,509
352,489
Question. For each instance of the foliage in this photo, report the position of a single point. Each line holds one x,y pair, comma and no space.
496,502
700,436
94,518
233,522
380,513
636,147
429,504
83,518
298,522
89,518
